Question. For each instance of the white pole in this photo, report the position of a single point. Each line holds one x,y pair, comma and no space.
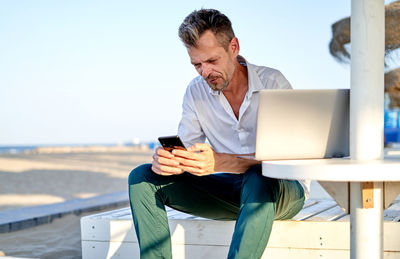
367,121
367,79
366,224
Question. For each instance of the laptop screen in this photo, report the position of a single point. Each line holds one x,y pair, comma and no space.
302,124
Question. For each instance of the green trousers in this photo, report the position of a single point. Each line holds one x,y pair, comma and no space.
251,199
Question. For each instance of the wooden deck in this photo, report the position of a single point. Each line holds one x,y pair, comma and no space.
320,230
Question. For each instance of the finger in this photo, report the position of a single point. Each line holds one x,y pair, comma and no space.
157,171
184,154
170,169
159,152
190,162
164,153
167,161
166,170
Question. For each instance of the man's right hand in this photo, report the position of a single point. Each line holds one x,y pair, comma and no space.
164,163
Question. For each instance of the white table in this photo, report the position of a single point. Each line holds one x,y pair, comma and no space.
364,188
338,170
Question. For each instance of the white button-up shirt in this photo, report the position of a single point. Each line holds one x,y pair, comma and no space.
207,114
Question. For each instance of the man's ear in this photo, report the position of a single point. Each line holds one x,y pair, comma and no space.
234,46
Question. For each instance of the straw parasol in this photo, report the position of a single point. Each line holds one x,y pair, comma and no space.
341,37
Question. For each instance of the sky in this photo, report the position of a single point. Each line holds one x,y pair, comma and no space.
93,71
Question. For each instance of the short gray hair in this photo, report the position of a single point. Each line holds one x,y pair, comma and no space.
198,22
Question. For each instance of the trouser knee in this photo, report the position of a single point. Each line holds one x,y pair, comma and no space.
140,174
143,185
257,188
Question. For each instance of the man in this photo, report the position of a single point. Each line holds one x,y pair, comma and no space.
221,106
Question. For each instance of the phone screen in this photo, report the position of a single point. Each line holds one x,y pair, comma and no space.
171,142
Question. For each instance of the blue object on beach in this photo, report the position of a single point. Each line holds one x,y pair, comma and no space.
392,135
391,118
391,122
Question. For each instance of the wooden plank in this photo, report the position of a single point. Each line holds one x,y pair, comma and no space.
311,235
125,213
123,250
391,191
107,229
331,214
367,193
290,253
309,203
344,219
114,214
320,206
174,214
392,213
391,236
339,191
103,250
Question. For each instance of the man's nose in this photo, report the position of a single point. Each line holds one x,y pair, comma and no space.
205,70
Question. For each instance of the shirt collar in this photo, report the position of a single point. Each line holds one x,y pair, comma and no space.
254,82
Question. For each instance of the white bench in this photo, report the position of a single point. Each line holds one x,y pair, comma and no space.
320,230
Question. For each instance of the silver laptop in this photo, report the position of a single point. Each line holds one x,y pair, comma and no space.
303,124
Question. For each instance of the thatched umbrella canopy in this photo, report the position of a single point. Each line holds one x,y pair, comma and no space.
392,85
341,36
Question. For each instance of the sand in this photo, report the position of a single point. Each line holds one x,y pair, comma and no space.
41,178
56,175
59,239
52,175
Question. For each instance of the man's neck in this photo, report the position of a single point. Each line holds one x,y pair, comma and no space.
237,88
239,81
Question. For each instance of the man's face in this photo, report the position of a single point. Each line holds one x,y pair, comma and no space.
215,64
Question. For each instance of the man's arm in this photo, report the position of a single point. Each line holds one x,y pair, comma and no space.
201,159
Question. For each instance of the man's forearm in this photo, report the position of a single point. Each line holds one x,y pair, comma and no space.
231,163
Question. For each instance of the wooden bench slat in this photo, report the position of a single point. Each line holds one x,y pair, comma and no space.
174,214
393,212
331,214
309,203
310,211
313,210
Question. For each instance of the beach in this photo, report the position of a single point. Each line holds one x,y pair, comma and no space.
58,174
52,175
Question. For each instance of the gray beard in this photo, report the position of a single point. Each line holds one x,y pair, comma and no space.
224,86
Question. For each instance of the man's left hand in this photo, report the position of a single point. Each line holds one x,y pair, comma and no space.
199,159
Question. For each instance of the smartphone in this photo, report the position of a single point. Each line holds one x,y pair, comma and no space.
171,142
